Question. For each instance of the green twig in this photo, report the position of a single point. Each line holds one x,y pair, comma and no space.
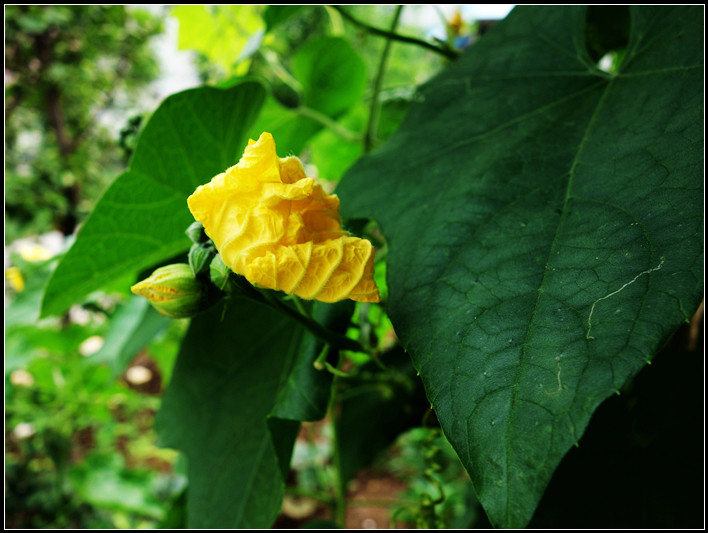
333,370
374,109
319,363
336,340
327,122
271,58
447,52
301,308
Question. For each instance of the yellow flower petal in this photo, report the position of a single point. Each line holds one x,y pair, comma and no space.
281,230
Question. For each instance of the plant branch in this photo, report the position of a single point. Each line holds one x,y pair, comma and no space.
374,109
327,122
336,340
447,52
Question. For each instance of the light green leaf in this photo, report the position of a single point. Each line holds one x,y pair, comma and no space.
332,78
333,155
225,34
330,153
134,325
545,223
140,220
332,73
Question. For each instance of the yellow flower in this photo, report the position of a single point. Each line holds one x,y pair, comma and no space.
15,279
281,230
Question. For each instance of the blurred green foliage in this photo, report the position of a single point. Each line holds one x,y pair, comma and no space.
71,72
80,449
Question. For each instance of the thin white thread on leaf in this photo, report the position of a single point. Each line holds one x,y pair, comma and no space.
592,308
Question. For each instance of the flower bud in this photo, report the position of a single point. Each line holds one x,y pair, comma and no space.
219,273
196,234
200,255
175,292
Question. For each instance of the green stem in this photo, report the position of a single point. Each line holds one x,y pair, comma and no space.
301,308
320,361
335,371
335,340
271,58
448,53
374,110
327,122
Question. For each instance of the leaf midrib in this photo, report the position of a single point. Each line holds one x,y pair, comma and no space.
554,243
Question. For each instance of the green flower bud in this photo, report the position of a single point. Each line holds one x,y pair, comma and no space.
219,272
200,256
175,292
196,234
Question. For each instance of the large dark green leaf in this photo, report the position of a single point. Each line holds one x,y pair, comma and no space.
647,443
305,395
544,221
239,387
140,220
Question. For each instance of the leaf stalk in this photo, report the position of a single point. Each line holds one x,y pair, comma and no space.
375,108
447,52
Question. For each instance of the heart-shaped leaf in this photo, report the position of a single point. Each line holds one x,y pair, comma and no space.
241,384
544,221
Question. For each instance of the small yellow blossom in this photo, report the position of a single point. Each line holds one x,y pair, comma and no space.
281,230
15,279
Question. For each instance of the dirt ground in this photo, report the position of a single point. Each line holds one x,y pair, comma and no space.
371,498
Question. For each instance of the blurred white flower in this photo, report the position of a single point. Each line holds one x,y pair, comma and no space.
91,345
24,430
138,375
21,378
79,315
